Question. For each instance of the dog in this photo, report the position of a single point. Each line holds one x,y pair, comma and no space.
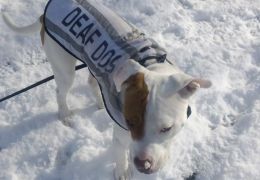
144,93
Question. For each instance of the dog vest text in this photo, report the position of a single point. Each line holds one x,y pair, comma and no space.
102,40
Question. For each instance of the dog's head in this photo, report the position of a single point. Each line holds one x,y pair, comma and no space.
155,108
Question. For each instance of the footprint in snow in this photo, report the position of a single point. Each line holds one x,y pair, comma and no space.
62,157
149,11
200,16
177,30
258,18
186,4
228,120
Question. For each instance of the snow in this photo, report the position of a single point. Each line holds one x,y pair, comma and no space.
218,40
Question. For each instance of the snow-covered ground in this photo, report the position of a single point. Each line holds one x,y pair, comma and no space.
215,39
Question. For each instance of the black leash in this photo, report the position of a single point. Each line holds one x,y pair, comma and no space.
37,84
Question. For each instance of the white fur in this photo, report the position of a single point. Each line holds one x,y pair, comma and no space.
169,90
22,30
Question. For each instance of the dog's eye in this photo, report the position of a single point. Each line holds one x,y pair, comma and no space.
165,130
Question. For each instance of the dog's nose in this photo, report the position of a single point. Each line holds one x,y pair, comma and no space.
144,165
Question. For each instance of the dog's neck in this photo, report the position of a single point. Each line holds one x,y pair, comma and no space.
125,71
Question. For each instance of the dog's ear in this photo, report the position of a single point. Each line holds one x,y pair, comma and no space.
127,69
190,88
172,84
183,84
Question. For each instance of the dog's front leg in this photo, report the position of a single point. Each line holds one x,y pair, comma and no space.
121,141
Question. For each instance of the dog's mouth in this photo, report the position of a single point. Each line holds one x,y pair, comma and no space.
150,171
147,171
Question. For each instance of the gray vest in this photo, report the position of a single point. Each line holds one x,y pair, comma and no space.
102,40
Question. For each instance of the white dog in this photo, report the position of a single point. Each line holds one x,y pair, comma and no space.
141,90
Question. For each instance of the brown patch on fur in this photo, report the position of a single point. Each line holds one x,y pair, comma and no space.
42,32
136,94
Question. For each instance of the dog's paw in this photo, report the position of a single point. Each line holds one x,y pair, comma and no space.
66,118
123,174
67,123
